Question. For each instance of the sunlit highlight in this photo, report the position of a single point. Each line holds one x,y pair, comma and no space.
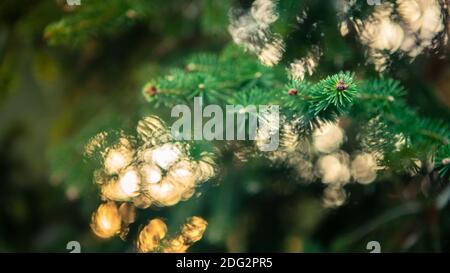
151,235
106,220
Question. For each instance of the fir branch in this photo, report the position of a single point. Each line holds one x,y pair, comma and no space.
234,78
336,92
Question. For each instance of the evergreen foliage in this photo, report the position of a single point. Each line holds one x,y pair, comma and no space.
70,73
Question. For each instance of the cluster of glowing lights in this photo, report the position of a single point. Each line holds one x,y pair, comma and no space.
336,168
109,220
251,30
409,28
152,170
150,237
106,221
328,137
322,158
153,237
364,168
138,172
333,169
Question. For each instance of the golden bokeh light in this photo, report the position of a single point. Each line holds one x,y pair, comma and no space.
165,193
129,182
164,156
106,221
117,159
154,236
328,137
334,196
124,188
148,170
364,168
151,174
408,27
191,232
175,245
334,169
193,229
150,236
251,30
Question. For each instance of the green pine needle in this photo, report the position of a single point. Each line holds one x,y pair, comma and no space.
335,93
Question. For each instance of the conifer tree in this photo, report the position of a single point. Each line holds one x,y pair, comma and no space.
355,127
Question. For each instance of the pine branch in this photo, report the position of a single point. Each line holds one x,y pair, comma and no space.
236,78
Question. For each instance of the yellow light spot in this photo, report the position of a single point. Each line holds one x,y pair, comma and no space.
165,155
364,168
151,235
193,230
165,193
124,189
106,221
118,158
183,172
333,168
176,245
151,174
328,137
129,182
334,196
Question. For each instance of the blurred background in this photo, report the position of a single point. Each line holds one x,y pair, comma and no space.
69,72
